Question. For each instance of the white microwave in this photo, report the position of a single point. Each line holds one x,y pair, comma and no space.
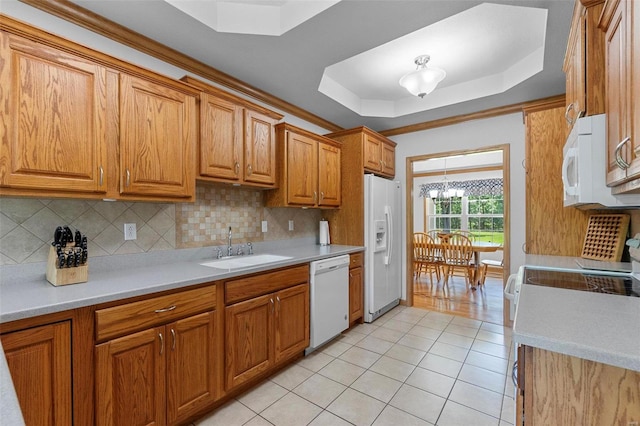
584,168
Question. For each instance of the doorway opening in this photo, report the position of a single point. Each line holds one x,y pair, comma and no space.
459,192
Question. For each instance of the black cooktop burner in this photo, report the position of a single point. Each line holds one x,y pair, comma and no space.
610,284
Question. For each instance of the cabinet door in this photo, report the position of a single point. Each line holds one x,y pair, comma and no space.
356,295
248,339
545,138
617,88
292,321
157,139
221,141
53,128
302,173
388,159
130,379
633,10
329,179
39,361
372,154
260,148
191,365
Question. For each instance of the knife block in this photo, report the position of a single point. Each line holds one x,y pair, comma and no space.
64,276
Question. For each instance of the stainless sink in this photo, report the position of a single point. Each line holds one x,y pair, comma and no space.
244,261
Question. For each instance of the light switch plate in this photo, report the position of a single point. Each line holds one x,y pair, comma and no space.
264,226
291,225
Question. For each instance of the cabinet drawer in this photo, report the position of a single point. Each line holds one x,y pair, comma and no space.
136,316
257,285
356,260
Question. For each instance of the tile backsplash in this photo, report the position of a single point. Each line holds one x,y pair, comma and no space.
27,225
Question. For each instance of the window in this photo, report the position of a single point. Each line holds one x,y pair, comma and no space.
480,211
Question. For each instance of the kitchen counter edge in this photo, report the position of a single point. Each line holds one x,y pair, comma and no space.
33,297
596,327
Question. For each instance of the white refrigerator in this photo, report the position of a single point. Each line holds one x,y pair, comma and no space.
382,215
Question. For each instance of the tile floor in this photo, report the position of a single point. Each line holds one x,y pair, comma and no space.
410,367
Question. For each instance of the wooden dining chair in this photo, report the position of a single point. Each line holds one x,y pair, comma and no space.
458,254
423,256
484,267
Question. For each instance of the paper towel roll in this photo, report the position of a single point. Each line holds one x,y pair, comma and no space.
324,233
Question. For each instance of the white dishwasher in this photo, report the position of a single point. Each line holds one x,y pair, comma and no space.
329,294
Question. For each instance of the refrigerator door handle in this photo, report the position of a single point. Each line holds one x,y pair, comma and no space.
389,217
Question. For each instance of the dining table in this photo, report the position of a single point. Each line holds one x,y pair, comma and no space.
477,247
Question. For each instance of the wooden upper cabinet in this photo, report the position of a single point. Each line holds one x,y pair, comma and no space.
237,139
302,177
221,143
369,151
623,89
53,128
260,148
388,159
310,174
82,124
372,153
39,361
157,139
584,63
329,176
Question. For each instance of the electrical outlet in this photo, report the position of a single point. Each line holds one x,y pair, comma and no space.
264,226
291,225
130,232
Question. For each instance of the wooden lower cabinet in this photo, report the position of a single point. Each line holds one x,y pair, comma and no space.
356,310
263,331
558,389
157,376
39,360
356,288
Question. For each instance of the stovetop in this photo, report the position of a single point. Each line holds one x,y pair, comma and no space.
595,283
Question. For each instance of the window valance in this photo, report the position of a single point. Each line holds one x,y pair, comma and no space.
478,187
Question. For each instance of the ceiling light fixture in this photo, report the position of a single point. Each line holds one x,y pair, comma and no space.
423,80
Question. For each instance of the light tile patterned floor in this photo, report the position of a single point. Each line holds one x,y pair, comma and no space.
410,367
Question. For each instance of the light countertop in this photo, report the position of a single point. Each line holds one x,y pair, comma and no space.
25,292
595,326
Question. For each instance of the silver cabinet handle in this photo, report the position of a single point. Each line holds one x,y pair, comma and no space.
170,308
273,308
321,196
237,169
249,170
173,339
128,181
161,343
101,175
619,160
315,196
381,164
566,114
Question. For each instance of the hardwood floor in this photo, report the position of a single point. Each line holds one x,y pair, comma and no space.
484,304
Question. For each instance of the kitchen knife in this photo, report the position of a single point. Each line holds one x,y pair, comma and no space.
68,235
70,259
78,239
57,236
61,260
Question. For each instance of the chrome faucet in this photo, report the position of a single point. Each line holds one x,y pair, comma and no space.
229,247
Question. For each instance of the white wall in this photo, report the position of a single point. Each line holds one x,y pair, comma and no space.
508,129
